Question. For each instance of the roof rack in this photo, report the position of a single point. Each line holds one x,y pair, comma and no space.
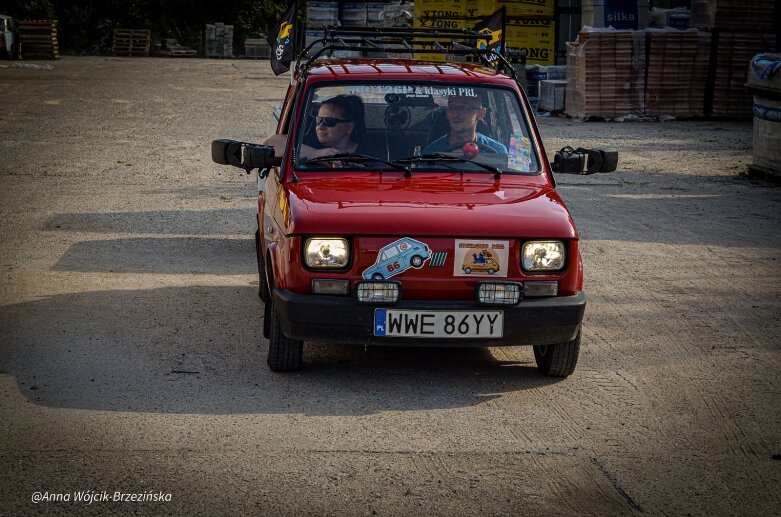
463,42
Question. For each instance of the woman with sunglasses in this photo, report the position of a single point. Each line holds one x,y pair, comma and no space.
339,127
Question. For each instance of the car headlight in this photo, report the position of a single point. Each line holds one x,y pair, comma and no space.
330,253
543,256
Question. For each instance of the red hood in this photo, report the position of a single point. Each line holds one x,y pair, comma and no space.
428,204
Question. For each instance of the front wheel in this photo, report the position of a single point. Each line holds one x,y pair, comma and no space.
558,360
284,354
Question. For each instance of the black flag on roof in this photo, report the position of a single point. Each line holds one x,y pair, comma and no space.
283,41
493,26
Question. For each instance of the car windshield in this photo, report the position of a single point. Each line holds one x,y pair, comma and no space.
420,126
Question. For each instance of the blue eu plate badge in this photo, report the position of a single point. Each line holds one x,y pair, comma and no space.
379,322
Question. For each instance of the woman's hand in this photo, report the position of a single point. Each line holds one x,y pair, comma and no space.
308,152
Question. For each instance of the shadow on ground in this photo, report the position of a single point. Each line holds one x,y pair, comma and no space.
200,350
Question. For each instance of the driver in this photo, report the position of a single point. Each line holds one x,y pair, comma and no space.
340,128
463,113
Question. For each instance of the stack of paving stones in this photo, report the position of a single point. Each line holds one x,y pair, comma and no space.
219,40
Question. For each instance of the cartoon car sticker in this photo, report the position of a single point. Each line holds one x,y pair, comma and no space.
397,257
481,258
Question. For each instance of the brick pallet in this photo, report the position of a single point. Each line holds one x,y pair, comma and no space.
731,53
677,72
605,73
38,39
130,42
733,14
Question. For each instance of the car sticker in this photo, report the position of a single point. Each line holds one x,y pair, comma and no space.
397,257
519,157
481,258
438,259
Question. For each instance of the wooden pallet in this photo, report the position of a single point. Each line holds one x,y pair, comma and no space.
128,42
38,39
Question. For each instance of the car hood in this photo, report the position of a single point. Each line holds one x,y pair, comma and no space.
432,205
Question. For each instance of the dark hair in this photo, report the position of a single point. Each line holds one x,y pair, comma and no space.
352,107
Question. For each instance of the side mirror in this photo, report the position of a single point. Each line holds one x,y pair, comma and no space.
244,155
584,161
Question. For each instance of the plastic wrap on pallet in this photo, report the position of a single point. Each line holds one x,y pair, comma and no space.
677,18
552,95
606,73
397,15
764,72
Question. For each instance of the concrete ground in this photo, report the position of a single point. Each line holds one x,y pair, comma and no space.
132,357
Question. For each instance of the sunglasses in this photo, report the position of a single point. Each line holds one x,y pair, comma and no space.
328,121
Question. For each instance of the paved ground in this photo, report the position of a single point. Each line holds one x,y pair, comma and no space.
131,357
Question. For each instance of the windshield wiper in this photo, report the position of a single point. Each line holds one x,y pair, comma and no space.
441,157
357,158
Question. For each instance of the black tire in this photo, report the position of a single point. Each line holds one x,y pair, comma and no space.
284,354
468,270
558,360
377,276
267,320
491,271
416,261
262,282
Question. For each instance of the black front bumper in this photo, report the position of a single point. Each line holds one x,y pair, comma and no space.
341,319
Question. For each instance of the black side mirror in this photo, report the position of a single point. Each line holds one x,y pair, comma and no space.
584,161
244,155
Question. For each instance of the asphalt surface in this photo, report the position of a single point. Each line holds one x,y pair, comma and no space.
132,359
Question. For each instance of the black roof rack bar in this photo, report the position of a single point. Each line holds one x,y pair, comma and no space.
408,40
404,32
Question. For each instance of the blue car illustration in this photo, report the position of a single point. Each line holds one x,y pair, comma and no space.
397,257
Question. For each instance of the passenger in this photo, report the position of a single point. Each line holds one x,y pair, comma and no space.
463,114
340,128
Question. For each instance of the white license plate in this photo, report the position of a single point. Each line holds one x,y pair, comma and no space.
438,324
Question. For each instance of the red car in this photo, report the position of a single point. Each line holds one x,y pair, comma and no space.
366,164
